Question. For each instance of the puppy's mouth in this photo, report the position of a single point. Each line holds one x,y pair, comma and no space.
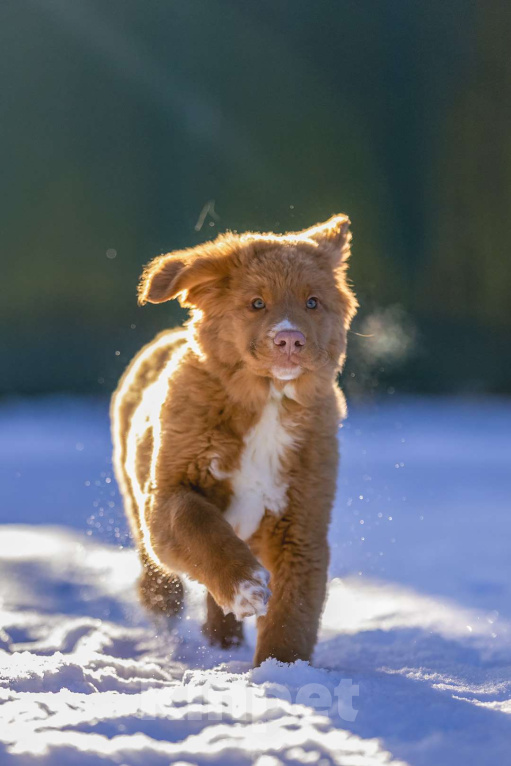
283,367
286,367
286,371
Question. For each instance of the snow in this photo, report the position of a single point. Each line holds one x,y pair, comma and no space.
413,664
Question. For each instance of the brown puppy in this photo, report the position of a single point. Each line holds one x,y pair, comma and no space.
224,433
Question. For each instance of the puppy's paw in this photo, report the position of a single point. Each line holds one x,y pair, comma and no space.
251,596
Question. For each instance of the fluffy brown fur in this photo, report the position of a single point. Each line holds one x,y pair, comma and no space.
224,433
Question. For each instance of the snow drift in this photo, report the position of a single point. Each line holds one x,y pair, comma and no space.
413,660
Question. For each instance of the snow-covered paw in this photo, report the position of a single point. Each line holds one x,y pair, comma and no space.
251,596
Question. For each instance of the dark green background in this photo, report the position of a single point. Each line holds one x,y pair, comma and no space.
120,119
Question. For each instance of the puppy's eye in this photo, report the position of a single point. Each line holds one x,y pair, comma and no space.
312,303
258,303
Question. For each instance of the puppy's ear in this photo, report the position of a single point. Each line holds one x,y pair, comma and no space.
333,236
176,274
157,281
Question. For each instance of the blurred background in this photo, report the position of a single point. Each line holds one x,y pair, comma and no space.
133,128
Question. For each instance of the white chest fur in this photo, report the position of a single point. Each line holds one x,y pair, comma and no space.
258,484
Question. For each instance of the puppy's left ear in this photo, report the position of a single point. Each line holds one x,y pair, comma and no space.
334,236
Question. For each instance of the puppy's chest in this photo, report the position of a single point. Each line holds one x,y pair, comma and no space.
260,482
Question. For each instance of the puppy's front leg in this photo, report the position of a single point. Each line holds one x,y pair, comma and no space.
185,533
298,568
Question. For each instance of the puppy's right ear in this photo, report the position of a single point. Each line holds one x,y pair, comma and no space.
189,274
159,279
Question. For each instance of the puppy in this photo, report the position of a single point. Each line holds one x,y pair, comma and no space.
225,433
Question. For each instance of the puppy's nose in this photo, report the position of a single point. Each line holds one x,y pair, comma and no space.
289,341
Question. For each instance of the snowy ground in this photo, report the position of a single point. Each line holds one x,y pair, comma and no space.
414,659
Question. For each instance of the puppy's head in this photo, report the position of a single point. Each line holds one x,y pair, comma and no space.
277,306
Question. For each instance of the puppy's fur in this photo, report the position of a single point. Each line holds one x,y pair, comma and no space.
224,433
